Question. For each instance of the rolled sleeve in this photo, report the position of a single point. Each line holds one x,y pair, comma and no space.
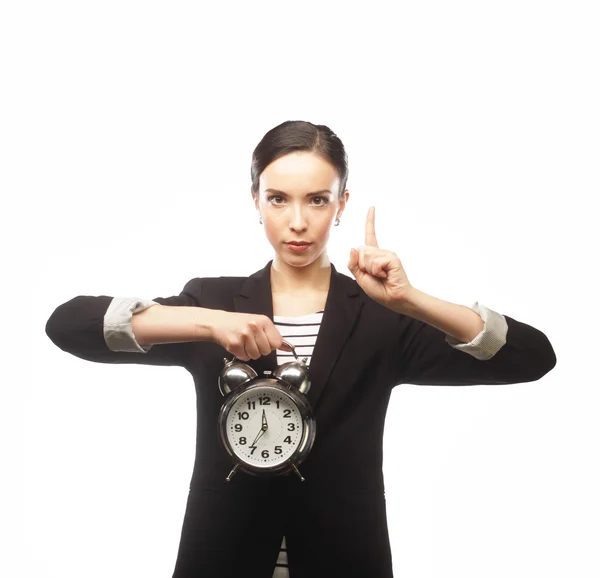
118,333
491,338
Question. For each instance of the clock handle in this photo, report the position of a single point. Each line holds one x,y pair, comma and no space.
285,342
291,346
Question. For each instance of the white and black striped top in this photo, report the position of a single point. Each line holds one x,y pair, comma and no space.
301,331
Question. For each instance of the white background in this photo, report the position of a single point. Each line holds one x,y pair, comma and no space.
127,133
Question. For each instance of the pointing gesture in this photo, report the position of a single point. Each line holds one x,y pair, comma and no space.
378,272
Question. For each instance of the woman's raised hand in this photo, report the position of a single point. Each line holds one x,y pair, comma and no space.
378,272
246,335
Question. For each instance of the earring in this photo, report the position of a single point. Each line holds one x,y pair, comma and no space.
260,220
337,222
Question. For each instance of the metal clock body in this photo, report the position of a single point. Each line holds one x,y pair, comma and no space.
266,424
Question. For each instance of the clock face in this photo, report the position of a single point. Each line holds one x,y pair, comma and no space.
264,427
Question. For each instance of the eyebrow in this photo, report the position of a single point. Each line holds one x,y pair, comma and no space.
307,194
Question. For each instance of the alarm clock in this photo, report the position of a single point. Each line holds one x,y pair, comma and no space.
266,423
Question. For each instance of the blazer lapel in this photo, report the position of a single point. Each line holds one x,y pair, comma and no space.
342,308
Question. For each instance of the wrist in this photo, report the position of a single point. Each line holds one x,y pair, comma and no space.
409,303
206,322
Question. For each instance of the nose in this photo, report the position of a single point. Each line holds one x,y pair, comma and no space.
297,220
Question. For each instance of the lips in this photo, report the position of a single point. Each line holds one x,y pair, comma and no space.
298,243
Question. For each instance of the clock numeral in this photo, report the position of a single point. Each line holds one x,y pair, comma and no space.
266,400
251,405
291,426
243,414
237,427
252,448
287,413
242,441
277,403
265,453
288,440
278,449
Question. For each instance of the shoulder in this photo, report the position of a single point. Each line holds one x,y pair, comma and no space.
202,287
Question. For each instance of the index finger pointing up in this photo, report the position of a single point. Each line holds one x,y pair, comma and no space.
370,238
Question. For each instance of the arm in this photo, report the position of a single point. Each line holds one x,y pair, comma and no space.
99,328
428,352
426,349
478,330
135,325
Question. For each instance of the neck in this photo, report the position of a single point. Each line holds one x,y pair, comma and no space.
286,278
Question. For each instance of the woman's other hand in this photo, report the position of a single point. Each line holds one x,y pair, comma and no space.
246,335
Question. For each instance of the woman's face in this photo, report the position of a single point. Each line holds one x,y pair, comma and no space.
291,213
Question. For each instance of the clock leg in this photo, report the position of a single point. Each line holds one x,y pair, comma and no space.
298,472
228,478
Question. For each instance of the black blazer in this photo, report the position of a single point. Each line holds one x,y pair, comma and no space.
335,521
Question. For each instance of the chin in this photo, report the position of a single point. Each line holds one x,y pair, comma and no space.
297,259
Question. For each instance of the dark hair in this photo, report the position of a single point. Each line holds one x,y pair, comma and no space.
299,135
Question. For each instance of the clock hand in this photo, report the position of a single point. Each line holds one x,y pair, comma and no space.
264,427
260,433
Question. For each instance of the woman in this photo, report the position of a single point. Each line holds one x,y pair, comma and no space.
362,337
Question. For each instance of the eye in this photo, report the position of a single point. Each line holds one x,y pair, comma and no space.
324,200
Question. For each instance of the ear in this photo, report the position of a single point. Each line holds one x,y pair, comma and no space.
344,200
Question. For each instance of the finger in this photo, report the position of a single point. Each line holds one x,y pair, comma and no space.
250,345
370,238
379,268
374,261
274,337
353,262
354,266
361,259
262,342
366,256
367,260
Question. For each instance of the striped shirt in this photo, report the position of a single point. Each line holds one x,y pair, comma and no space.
301,331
